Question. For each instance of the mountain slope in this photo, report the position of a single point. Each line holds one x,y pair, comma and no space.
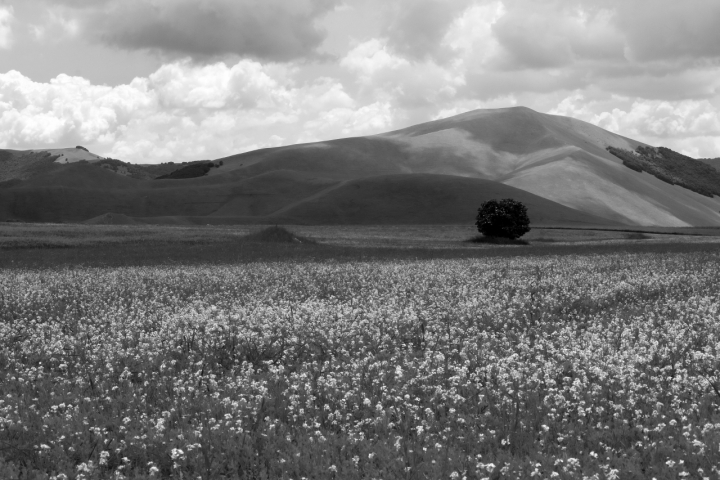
558,158
561,160
424,199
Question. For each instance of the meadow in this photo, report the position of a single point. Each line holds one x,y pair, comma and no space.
567,359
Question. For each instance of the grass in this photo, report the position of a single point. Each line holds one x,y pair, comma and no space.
488,240
637,236
544,240
67,246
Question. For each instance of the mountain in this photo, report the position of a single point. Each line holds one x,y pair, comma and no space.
435,172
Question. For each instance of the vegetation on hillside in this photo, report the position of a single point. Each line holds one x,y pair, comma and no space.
20,165
192,170
672,167
166,170
124,168
713,162
530,367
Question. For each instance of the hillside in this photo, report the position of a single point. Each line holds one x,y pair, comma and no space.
558,158
673,168
429,171
424,199
713,162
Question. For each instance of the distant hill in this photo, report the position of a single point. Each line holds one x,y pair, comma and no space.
21,165
713,162
436,172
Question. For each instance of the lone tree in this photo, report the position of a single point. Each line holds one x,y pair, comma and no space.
504,218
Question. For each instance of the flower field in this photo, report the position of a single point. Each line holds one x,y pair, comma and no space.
596,366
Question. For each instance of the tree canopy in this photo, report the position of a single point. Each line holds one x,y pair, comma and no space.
503,218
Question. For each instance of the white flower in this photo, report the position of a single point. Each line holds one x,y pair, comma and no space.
177,453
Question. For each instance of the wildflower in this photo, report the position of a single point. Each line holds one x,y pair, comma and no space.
177,453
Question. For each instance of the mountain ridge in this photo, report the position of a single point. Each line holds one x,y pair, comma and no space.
562,160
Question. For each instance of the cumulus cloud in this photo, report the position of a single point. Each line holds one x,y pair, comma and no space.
648,69
536,36
6,20
415,28
689,126
389,75
182,112
267,29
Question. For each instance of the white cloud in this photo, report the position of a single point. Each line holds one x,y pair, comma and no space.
648,69
369,119
689,126
182,112
369,58
412,86
7,18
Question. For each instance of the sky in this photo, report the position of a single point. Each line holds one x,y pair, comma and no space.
152,81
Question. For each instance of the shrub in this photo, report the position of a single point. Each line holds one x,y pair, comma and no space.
193,170
504,218
276,234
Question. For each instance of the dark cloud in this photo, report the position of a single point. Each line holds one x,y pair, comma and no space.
416,27
276,30
556,35
669,29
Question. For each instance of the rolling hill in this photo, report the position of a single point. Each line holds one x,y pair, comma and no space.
435,172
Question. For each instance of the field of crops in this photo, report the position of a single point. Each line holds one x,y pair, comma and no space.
573,366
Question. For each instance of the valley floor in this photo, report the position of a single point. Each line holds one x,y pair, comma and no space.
44,245
395,353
